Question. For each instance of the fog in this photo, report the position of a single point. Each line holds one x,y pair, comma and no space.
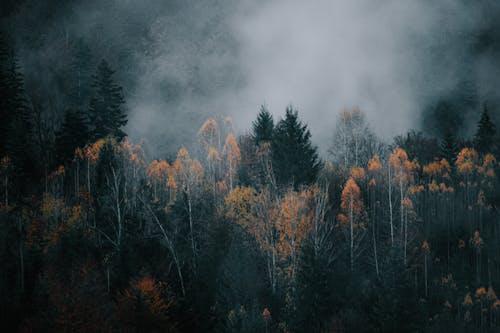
183,61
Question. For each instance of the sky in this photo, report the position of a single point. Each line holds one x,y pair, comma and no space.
181,62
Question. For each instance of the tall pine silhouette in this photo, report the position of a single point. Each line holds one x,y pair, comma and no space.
263,126
73,134
485,136
106,113
295,159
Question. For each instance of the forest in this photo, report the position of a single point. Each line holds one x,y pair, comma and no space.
249,230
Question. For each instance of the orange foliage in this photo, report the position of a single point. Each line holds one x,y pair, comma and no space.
92,151
466,161
231,149
357,173
209,133
374,164
352,205
425,246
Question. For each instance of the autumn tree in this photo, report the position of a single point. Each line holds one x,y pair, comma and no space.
190,175
353,142
145,305
353,217
403,176
232,155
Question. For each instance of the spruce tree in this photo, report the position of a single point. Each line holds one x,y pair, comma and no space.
81,70
5,114
485,136
449,147
295,159
73,134
106,114
17,120
262,127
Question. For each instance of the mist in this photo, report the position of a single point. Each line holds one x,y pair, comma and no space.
183,61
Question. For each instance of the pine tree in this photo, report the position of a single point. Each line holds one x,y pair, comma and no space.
17,120
80,91
263,126
5,115
106,114
485,135
449,147
295,159
73,134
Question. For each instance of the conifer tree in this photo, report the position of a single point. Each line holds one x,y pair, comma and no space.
449,147
485,135
106,114
73,134
17,119
295,159
263,126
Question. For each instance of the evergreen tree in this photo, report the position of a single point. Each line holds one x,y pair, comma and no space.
485,135
17,119
5,115
295,159
449,147
263,126
73,134
106,114
81,63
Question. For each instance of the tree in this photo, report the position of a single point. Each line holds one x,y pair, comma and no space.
449,147
262,127
295,159
353,142
106,114
73,134
485,136
417,146
18,117
353,216
143,306
232,155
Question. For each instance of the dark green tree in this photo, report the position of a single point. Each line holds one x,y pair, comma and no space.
449,147
106,113
17,120
295,159
418,146
81,68
484,138
5,115
73,134
263,126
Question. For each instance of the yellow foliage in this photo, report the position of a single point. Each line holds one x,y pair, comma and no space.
231,149
239,204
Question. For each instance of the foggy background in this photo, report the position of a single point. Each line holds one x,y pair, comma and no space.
425,64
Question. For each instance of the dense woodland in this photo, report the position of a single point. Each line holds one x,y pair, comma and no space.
240,233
